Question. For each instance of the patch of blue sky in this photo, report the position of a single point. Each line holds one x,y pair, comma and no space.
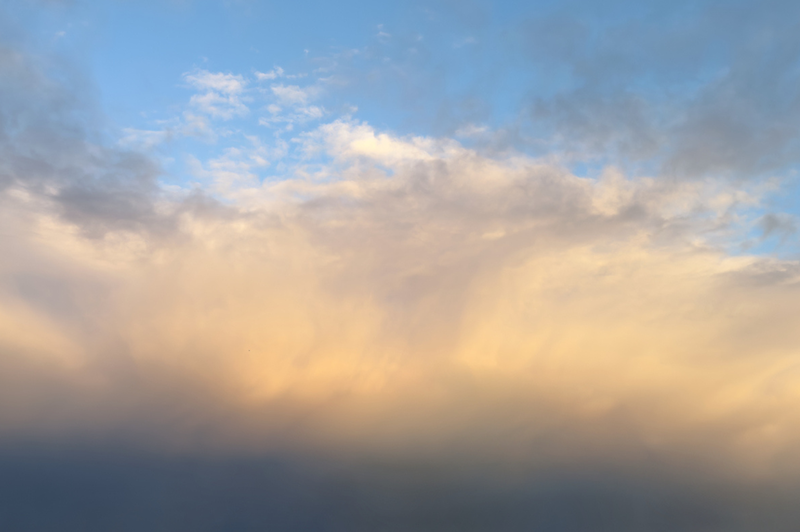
412,60
591,84
769,227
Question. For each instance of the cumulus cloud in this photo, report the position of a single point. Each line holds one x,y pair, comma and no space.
409,273
417,293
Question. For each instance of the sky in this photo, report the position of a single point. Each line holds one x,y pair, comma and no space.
401,266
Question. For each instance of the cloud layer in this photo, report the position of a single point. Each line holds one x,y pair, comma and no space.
411,330
435,285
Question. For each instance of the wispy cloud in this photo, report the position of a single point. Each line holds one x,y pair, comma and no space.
222,95
275,73
293,94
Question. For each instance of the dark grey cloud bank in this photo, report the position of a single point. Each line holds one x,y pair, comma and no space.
71,491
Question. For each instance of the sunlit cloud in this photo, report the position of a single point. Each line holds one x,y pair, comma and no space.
468,320
406,310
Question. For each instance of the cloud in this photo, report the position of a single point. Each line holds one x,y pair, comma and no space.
276,72
239,167
388,329
224,83
222,94
456,289
203,494
142,138
49,158
187,125
706,89
292,107
350,139
402,291
510,344
292,94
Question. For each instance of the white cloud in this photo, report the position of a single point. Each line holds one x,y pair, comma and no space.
236,171
221,94
294,95
188,125
349,139
143,139
312,111
471,130
220,82
293,106
276,72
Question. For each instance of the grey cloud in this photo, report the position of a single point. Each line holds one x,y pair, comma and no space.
98,489
687,89
706,88
781,225
51,146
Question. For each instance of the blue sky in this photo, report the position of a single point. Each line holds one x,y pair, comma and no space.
689,89
622,83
